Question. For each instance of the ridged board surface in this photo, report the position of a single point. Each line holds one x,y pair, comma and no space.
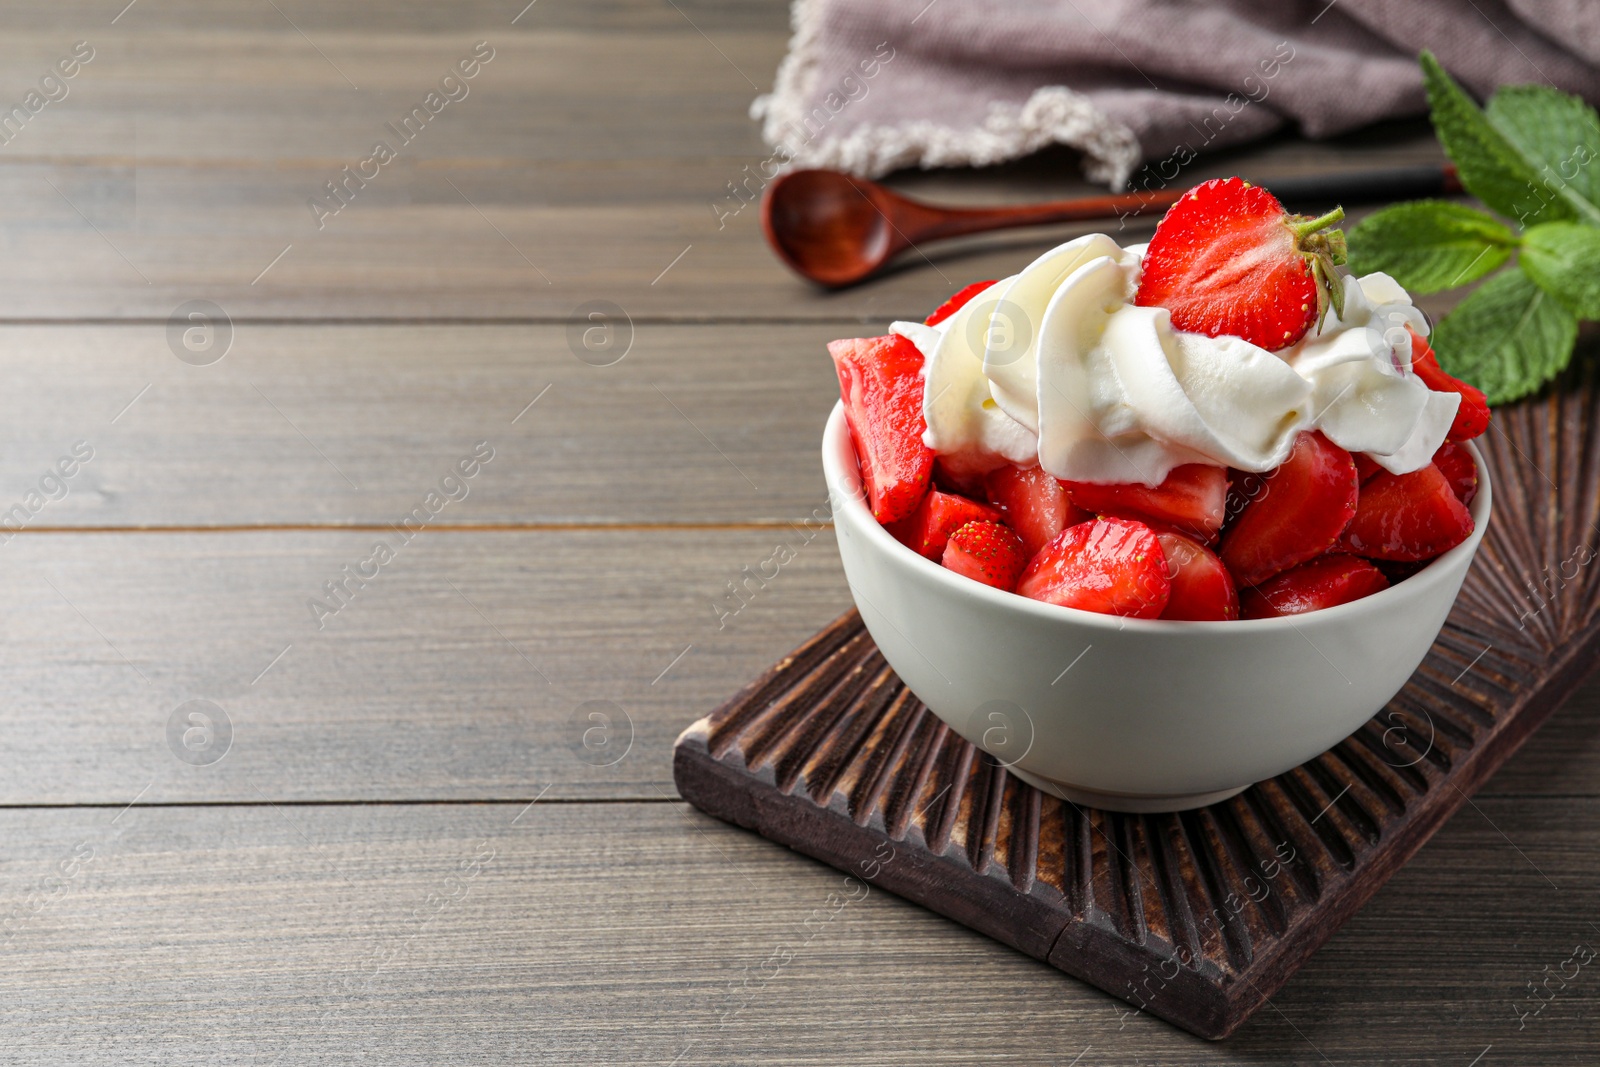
1195,917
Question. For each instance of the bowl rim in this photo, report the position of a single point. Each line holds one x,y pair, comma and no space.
846,495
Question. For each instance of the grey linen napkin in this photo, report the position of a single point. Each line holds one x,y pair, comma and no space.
869,86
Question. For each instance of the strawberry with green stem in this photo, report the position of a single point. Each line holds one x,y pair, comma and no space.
1228,259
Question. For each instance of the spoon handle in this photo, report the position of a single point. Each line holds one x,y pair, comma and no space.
1367,186
941,222
1309,190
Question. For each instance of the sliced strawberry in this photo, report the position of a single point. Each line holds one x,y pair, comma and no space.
1193,498
1322,583
927,529
1032,503
1112,566
1397,571
880,379
1300,511
953,305
1202,588
1243,487
1407,517
1227,259
986,552
1455,463
1472,417
956,477
1366,466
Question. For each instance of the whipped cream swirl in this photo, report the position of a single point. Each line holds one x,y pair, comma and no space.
1057,366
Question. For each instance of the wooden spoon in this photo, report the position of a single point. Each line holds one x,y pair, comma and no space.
838,230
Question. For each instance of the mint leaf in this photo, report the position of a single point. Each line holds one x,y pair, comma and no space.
1508,338
1491,167
1563,259
1558,133
1428,245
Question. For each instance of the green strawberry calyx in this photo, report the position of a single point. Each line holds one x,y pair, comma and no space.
1324,251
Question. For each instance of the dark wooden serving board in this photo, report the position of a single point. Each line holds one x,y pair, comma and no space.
1196,917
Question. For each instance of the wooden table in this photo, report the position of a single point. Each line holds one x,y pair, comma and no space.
444,828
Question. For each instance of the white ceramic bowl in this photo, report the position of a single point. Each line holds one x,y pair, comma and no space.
1133,714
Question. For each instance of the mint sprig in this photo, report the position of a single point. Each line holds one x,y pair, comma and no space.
1532,156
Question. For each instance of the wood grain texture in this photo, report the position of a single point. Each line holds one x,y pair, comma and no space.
338,425
830,753
458,672
640,933
180,165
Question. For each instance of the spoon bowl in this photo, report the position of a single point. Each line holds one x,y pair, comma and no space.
829,226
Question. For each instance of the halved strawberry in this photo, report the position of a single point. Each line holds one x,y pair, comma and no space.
953,305
927,529
1202,588
1112,566
1407,517
1366,466
1472,417
1455,463
1227,259
1032,503
1300,511
986,552
1193,498
880,379
1322,583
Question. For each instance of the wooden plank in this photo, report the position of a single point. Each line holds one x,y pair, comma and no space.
325,425
646,932
463,670
180,165
1562,757
419,249
408,693
402,16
